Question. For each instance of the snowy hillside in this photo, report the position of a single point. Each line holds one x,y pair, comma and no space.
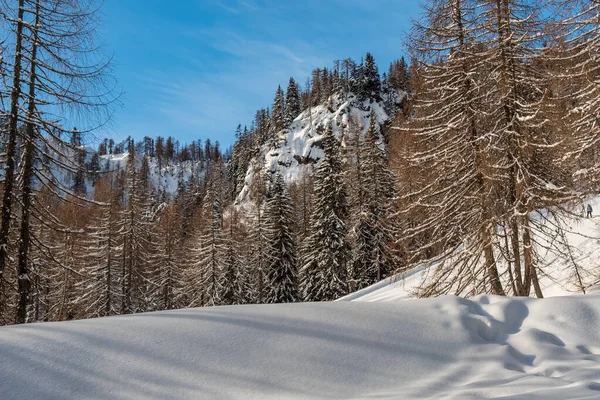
583,234
447,347
166,177
300,143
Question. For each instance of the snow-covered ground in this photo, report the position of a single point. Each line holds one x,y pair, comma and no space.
443,348
583,234
382,345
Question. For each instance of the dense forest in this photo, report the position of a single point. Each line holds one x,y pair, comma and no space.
488,142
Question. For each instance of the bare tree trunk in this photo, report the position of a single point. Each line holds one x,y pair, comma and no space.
24,286
485,235
9,170
531,275
514,230
527,255
508,260
109,261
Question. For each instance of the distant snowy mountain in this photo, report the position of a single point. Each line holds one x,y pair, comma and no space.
300,143
166,177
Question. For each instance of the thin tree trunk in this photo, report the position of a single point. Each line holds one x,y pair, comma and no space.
9,169
108,305
485,235
508,260
24,283
514,230
527,255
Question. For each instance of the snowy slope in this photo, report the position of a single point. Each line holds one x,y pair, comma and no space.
166,178
300,148
448,347
583,235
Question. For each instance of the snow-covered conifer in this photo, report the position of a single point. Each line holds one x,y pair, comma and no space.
292,102
278,111
281,276
207,262
324,271
373,257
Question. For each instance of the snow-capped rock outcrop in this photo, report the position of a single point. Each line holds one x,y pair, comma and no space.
300,143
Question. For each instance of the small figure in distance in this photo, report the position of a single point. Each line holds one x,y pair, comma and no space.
589,211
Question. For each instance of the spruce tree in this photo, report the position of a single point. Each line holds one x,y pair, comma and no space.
373,257
372,81
324,272
208,255
292,102
282,283
278,111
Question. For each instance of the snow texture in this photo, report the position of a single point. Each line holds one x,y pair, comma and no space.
164,178
447,347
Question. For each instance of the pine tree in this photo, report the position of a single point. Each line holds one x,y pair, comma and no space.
373,257
292,102
206,280
278,111
281,277
324,272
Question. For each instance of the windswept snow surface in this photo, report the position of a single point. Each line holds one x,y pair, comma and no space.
442,348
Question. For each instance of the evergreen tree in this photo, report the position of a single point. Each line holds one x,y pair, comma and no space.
324,272
237,288
206,281
282,284
278,111
371,81
373,257
292,102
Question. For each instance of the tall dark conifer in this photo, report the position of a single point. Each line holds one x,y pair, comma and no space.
282,283
292,102
324,272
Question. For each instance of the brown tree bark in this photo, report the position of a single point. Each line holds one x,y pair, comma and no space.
9,169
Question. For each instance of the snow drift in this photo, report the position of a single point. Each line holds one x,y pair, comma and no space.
448,347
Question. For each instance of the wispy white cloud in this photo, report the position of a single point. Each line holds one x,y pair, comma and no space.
228,8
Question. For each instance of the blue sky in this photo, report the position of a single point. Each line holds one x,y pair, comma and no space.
194,69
